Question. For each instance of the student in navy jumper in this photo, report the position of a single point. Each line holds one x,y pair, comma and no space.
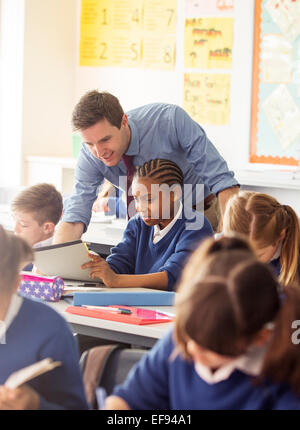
33,331
157,241
232,346
272,228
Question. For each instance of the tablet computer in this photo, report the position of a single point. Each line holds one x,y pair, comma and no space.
64,260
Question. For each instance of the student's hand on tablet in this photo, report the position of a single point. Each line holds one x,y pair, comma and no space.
20,398
99,268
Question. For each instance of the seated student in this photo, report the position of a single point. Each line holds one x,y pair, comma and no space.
34,331
37,210
110,201
232,343
272,228
156,241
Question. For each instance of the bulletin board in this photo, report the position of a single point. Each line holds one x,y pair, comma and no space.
275,116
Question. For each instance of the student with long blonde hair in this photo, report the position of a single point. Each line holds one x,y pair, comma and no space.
232,346
272,228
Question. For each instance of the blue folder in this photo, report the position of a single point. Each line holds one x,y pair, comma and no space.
128,298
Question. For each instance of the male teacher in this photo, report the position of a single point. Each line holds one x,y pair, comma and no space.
114,143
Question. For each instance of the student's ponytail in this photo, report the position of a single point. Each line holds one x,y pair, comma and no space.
282,360
289,255
269,220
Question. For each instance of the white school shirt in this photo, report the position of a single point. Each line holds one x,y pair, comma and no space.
277,252
46,242
249,363
158,234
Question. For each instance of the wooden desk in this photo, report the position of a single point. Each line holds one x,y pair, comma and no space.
142,336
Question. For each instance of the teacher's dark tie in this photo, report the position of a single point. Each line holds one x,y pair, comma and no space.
130,170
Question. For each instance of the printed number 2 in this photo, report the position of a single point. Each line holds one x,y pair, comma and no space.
103,51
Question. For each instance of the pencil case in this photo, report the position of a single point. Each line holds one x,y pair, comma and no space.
46,288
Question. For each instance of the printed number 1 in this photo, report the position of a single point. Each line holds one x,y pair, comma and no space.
104,22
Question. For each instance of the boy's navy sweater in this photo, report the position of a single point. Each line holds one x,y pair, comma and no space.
137,254
39,332
162,382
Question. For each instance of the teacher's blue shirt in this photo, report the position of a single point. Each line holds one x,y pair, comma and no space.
157,131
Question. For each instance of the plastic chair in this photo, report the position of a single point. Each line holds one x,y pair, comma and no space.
106,366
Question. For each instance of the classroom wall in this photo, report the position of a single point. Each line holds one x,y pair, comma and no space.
135,87
11,87
49,77
53,83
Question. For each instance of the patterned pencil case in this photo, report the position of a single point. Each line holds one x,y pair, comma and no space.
47,288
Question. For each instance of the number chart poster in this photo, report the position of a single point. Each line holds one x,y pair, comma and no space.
128,33
275,117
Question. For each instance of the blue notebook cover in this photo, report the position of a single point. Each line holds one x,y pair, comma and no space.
128,298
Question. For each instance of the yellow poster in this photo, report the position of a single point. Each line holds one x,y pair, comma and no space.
128,33
208,43
159,38
110,33
207,97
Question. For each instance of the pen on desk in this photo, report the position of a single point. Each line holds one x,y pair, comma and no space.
168,314
107,308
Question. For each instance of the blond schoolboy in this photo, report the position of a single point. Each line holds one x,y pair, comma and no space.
37,210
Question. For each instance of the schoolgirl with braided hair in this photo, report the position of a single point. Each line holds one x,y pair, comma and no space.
157,241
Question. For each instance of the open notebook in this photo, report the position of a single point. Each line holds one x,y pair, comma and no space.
21,376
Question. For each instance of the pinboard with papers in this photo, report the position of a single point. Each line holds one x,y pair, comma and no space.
275,119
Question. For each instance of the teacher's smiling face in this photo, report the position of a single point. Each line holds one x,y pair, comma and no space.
107,142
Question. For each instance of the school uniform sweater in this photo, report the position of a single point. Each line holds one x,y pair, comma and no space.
161,382
37,332
276,265
137,254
